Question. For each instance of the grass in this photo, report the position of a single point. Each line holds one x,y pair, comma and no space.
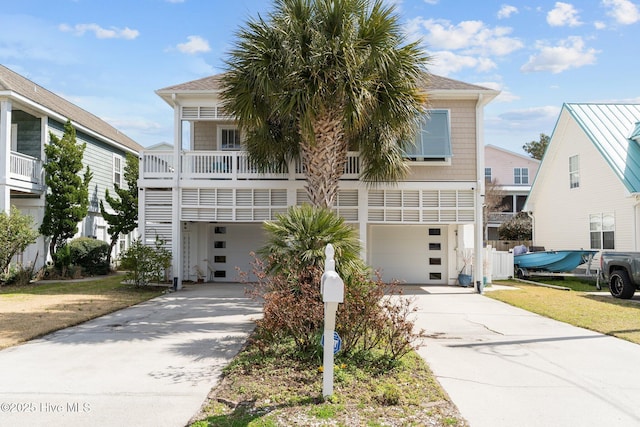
276,389
31,311
579,306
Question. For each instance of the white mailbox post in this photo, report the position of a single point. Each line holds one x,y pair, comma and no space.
332,290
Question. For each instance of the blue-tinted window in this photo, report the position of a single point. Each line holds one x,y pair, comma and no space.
433,141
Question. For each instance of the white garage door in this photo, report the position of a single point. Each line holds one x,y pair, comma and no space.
410,253
230,246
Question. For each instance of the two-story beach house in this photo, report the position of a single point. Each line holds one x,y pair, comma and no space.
207,202
28,113
512,174
586,194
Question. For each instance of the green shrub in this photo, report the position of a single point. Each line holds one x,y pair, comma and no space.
374,320
17,274
90,254
145,264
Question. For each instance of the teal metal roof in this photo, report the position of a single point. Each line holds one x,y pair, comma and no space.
611,127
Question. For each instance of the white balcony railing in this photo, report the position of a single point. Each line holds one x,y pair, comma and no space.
25,168
224,165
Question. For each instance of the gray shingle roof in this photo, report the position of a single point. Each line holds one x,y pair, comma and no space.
12,81
212,83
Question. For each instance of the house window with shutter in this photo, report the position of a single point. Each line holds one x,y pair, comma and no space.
117,170
602,231
574,171
432,144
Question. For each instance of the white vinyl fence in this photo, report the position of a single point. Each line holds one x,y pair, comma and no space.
498,264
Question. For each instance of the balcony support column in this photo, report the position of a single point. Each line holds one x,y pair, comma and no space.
5,155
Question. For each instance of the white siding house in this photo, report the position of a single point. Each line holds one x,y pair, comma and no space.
207,203
28,114
586,192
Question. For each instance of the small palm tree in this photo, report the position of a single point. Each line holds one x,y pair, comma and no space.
298,240
320,77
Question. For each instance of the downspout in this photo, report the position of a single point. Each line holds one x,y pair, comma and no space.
478,270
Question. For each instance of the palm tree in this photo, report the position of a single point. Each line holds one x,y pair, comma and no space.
298,240
320,77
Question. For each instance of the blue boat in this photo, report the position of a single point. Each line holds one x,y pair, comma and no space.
553,261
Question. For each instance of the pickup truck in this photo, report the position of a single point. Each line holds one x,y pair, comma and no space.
621,271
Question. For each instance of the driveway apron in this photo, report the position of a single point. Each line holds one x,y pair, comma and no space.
503,366
148,365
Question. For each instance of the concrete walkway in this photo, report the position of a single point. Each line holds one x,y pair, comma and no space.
503,366
149,365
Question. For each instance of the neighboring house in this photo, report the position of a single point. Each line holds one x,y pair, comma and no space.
207,203
28,113
512,173
586,194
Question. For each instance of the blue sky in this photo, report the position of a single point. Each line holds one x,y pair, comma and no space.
109,57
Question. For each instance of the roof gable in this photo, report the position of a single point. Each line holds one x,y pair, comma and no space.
14,82
433,84
609,127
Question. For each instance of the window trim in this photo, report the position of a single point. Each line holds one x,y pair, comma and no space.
574,174
520,176
222,128
600,224
422,160
117,160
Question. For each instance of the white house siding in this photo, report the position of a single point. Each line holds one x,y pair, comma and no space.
557,222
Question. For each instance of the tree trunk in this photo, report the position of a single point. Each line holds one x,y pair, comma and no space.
324,159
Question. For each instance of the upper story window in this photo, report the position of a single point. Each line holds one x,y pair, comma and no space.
602,229
521,175
433,140
487,174
229,138
574,171
117,170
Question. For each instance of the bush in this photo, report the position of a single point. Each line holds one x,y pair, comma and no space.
90,254
17,275
145,264
517,228
374,320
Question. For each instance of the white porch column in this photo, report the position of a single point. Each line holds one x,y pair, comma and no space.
5,151
479,226
363,218
176,229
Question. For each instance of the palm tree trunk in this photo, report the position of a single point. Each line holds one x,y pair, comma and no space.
324,159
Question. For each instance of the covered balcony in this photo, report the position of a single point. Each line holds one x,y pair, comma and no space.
25,172
224,165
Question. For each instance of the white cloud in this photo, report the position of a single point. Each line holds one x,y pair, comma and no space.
563,14
470,37
196,44
505,94
569,53
445,63
506,11
101,33
599,25
532,114
623,11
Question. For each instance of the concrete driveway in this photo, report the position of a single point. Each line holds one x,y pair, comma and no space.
503,366
149,365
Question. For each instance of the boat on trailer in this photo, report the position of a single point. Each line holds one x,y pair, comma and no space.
551,262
